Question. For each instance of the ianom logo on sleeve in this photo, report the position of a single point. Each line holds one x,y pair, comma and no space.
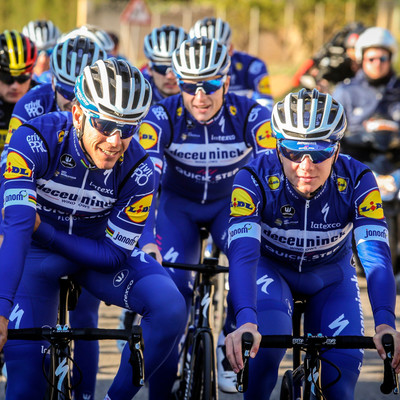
16,167
241,203
147,136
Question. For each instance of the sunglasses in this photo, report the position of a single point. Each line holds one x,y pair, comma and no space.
109,128
161,68
66,91
208,87
9,79
316,156
382,59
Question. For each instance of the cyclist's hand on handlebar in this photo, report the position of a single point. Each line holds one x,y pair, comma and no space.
233,343
3,331
153,248
380,331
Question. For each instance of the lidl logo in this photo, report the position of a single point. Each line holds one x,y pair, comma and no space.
15,123
61,135
241,203
273,182
16,167
233,110
264,136
179,111
371,206
239,66
264,86
147,136
342,184
138,212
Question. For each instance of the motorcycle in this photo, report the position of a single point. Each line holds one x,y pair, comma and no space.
378,146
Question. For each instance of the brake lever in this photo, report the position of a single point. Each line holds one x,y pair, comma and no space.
390,380
243,374
136,358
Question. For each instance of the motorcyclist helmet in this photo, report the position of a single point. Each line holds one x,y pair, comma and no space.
375,37
18,53
114,89
308,116
71,56
161,43
201,58
212,28
43,33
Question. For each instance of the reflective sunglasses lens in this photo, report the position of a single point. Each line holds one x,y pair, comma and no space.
317,156
107,128
161,69
68,94
9,79
209,87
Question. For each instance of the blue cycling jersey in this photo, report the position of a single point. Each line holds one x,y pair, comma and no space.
250,77
47,171
273,221
202,158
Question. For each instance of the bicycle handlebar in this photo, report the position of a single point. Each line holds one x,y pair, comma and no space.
390,380
64,333
205,268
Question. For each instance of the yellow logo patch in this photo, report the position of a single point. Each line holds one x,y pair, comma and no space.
16,167
273,182
264,86
12,127
61,135
264,136
239,66
241,203
371,206
233,110
138,212
147,136
342,184
179,111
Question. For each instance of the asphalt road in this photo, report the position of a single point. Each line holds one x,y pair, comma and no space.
367,387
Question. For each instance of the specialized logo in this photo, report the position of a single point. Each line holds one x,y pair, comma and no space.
120,277
264,136
273,182
67,161
233,110
288,211
264,86
147,136
265,281
16,167
241,203
138,211
342,185
371,206
15,123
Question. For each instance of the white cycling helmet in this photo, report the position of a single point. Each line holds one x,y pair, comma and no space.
213,28
115,89
308,116
71,56
43,33
200,58
99,36
161,43
375,37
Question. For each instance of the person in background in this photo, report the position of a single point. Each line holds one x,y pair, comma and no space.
45,35
249,74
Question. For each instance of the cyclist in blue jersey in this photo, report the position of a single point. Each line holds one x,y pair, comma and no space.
293,214
45,35
249,74
68,60
85,187
198,140
158,48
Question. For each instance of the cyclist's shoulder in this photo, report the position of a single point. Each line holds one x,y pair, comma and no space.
350,169
265,165
36,101
240,105
168,108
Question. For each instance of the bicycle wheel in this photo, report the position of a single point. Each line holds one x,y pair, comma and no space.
287,386
202,385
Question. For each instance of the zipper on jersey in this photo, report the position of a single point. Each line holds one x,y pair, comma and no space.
78,200
307,206
206,172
